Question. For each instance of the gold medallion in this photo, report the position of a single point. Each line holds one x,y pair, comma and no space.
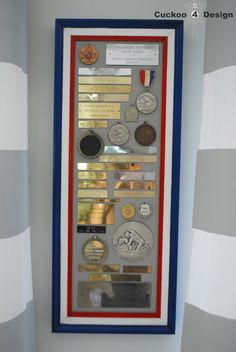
128,211
88,54
95,250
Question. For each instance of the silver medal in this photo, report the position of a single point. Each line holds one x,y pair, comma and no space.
146,103
118,134
132,241
131,114
145,210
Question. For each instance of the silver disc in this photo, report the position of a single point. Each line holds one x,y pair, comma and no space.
145,210
131,114
146,103
132,241
118,134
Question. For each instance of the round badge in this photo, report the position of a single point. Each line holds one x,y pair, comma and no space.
131,114
145,210
95,250
145,134
146,103
88,54
132,241
90,145
118,134
128,211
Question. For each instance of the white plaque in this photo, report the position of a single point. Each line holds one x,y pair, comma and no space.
132,54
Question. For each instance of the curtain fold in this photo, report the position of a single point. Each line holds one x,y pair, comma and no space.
16,296
210,310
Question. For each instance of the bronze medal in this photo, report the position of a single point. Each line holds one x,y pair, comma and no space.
145,134
88,54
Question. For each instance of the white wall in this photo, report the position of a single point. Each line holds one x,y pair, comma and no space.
42,14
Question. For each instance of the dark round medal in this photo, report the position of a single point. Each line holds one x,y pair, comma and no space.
145,134
90,145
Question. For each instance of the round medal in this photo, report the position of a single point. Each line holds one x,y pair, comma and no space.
132,241
128,211
88,54
90,145
145,134
145,210
146,103
118,134
131,114
95,250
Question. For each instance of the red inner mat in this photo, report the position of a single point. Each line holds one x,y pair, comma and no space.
157,313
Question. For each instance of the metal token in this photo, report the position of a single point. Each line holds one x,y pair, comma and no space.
88,54
146,103
132,241
95,250
118,134
145,134
90,145
145,210
131,114
128,211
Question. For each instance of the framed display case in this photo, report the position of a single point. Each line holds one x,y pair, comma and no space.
117,122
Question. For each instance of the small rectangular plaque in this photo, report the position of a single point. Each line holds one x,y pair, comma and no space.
99,110
91,229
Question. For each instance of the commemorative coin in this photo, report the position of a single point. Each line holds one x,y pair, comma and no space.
118,134
88,54
145,134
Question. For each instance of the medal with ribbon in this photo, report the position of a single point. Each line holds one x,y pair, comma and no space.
146,102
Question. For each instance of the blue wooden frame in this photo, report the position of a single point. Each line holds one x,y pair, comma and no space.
116,23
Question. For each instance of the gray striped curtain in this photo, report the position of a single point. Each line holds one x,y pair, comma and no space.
210,310
16,308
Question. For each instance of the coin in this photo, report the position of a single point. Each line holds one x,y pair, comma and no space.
128,211
95,250
146,103
88,54
131,114
145,134
90,145
145,210
118,134
132,241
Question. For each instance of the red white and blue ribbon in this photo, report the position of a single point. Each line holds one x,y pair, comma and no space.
146,77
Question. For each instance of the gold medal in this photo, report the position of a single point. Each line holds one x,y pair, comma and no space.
95,250
128,211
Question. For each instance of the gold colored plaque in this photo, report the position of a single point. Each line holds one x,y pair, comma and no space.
99,111
104,80
92,184
128,211
143,269
92,193
128,158
98,268
103,97
135,194
92,124
95,213
98,200
95,250
108,167
87,88
135,185
114,277
84,175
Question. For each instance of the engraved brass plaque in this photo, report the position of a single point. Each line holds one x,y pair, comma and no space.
135,185
114,277
139,176
91,88
142,269
99,268
135,194
114,294
92,124
103,97
98,200
104,80
84,175
92,184
92,193
99,110
108,167
128,158
96,213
